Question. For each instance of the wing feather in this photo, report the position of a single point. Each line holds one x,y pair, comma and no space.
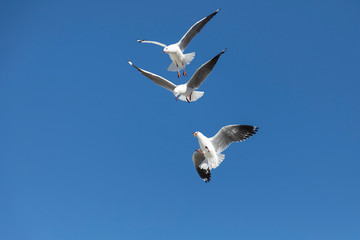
198,158
202,72
153,42
195,29
232,133
162,82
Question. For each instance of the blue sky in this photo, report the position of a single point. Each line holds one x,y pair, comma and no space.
91,149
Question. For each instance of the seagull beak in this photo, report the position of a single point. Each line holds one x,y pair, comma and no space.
176,98
163,51
195,134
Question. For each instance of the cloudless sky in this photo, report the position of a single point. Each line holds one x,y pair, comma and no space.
92,149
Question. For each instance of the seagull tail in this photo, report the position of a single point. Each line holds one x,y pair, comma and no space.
189,57
194,96
172,67
216,162
213,162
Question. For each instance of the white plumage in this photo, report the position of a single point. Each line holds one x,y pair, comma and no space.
209,155
175,51
185,91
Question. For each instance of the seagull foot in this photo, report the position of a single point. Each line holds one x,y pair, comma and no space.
179,74
207,148
187,100
184,73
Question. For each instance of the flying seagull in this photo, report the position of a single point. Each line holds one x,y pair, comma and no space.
186,91
176,50
209,155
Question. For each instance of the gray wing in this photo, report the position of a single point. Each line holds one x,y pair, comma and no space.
153,42
195,29
232,133
156,78
198,158
201,74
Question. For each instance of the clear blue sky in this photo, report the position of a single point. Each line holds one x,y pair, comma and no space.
91,149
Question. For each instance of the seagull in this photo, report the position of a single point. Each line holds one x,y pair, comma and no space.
186,91
209,156
176,50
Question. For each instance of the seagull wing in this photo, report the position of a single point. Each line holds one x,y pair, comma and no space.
153,42
195,29
201,74
162,82
232,133
198,158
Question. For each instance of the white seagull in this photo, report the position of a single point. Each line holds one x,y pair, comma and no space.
176,50
209,155
186,91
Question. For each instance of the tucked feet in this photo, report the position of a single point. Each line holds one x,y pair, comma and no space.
207,148
199,151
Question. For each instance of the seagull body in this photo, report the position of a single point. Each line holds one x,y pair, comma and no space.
209,155
175,51
186,91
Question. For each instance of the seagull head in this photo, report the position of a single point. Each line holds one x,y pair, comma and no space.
166,50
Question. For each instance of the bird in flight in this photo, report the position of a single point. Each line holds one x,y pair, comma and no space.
209,155
175,51
186,91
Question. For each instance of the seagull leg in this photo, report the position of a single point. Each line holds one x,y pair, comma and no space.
190,96
187,100
199,151
184,73
179,74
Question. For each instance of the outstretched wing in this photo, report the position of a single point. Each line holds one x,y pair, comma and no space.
198,158
153,42
232,133
201,74
156,78
195,29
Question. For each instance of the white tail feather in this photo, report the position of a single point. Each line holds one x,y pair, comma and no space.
172,67
213,162
194,96
189,57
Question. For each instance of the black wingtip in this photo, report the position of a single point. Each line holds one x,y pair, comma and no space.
207,178
139,40
204,174
222,52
